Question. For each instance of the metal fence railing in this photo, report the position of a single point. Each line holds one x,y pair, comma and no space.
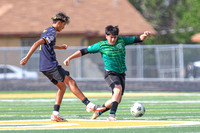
144,62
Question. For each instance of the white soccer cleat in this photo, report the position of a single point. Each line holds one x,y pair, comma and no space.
58,118
92,107
110,118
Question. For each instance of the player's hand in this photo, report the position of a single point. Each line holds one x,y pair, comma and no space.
24,61
66,62
64,46
147,33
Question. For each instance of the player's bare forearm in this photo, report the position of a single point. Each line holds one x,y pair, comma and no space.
145,35
75,55
64,46
31,51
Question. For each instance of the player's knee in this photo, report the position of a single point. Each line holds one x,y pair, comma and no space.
61,86
117,90
63,89
69,81
72,82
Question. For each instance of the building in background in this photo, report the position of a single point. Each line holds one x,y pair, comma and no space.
22,21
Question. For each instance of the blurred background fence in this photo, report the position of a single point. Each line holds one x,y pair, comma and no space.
149,67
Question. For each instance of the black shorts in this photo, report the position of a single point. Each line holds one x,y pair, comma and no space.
56,74
113,78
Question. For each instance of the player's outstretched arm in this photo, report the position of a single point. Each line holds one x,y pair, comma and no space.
75,55
31,51
63,46
145,35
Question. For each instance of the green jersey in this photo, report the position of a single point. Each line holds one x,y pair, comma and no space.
113,55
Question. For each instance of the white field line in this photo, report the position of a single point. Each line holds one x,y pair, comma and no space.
185,101
35,100
106,94
72,100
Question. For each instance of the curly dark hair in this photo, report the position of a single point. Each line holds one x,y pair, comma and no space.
60,17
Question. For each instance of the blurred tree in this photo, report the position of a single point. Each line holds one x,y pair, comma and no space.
174,20
188,15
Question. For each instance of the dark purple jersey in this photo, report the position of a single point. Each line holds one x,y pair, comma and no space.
47,54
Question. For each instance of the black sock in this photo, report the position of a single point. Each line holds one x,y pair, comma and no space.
56,107
101,112
85,101
114,106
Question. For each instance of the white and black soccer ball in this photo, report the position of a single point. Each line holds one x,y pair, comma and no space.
137,109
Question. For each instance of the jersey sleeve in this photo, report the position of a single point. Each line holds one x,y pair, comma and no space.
49,36
94,48
128,40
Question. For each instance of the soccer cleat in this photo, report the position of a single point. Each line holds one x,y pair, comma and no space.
58,118
92,107
110,118
99,108
95,115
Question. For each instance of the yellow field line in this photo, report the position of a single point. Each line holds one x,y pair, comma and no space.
75,124
52,95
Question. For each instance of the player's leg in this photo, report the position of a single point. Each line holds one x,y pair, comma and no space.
74,88
107,105
113,98
56,78
117,90
60,93
78,93
58,100
117,82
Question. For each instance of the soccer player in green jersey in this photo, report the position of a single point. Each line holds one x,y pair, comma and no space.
113,53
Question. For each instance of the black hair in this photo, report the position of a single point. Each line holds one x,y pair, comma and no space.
112,30
60,17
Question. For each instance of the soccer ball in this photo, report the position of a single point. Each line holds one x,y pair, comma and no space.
137,109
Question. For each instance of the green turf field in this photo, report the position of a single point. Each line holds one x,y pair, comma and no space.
165,112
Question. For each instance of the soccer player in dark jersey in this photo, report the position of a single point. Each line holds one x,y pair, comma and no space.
51,69
113,53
